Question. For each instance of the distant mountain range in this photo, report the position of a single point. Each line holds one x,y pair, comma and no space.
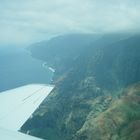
97,93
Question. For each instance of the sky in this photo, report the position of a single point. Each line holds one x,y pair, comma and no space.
30,21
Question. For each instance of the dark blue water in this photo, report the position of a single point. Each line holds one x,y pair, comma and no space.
18,67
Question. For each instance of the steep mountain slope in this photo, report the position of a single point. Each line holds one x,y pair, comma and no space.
97,97
61,51
121,121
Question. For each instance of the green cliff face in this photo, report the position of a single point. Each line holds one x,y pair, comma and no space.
119,122
97,97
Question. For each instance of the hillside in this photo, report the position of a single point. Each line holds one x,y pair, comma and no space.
97,91
60,52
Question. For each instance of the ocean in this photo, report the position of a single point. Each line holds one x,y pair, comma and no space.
18,68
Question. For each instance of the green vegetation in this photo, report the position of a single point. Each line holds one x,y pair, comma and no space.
97,94
118,122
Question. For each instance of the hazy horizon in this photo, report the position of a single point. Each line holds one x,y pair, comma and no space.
29,21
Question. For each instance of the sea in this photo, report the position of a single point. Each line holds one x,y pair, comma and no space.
19,68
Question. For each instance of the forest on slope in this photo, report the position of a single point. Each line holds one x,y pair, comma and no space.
97,93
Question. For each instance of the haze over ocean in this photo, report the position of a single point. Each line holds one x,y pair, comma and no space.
18,68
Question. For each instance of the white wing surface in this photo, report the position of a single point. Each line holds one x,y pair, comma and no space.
12,135
17,105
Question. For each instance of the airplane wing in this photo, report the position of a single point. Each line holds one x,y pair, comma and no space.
16,107
6,134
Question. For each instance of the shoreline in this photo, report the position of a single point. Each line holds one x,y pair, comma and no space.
47,67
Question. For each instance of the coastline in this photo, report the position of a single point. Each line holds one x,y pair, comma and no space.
47,67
